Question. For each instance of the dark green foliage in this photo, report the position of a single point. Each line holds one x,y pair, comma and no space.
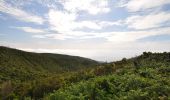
42,61
20,65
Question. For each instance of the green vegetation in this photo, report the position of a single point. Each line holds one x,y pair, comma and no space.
27,76
17,64
146,77
147,84
25,73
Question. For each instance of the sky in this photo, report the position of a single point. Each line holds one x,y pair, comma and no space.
103,30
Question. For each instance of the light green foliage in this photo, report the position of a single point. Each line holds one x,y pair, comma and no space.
127,86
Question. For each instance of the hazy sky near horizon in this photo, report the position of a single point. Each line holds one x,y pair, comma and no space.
103,30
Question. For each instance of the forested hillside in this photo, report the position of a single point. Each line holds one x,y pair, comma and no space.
146,77
17,64
25,74
34,76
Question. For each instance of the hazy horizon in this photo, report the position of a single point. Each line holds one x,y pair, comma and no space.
103,30
121,56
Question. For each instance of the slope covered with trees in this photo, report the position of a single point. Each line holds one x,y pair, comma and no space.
31,74
146,77
25,65
27,76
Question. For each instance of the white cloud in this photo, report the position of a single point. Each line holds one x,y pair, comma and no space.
53,36
74,35
66,24
135,35
66,21
111,23
19,14
30,29
91,6
115,36
139,5
148,21
88,24
61,51
63,21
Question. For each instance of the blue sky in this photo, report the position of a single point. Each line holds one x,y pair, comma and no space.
104,30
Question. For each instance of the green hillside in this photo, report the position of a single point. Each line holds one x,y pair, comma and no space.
20,64
42,76
146,77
